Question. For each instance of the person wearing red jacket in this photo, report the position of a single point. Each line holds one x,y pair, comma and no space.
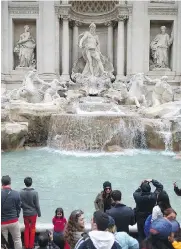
59,222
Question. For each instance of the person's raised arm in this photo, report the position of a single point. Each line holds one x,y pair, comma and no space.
156,184
177,190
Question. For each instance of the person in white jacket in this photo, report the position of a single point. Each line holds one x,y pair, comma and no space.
163,202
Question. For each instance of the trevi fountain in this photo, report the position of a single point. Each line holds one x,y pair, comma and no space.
91,92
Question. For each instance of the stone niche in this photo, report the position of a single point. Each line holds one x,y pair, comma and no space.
155,26
18,29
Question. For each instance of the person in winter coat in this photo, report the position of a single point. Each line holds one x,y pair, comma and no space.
10,211
176,189
99,237
31,209
124,240
123,215
103,200
145,201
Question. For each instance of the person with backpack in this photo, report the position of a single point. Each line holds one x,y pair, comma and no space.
10,211
99,237
145,201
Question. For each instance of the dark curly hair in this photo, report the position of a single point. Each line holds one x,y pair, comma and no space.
72,227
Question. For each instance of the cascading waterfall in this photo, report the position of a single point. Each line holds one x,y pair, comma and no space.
91,132
164,130
81,132
132,132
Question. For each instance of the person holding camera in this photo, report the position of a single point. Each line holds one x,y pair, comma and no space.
145,201
46,241
176,189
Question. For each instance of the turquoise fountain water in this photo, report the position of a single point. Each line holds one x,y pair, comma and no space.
72,179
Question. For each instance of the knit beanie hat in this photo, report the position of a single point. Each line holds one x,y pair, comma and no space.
145,187
102,220
107,185
111,222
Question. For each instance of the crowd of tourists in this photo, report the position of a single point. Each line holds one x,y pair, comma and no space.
157,226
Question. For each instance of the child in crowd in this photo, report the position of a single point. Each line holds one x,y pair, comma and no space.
59,222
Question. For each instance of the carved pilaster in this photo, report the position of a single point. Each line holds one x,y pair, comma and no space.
122,18
64,12
108,23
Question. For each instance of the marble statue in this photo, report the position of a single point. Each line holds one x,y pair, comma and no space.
132,93
93,72
25,49
43,92
91,52
137,90
162,91
28,91
159,49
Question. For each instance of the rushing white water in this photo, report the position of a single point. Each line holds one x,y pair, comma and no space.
132,132
164,130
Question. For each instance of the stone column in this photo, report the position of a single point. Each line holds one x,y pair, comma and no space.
139,22
110,40
75,41
178,56
47,13
65,49
120,47
5,38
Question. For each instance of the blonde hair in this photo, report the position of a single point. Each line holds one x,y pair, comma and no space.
112,229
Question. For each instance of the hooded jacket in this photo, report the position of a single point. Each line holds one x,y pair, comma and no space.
98,240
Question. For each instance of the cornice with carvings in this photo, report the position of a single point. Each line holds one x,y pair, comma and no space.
162,10
23,8
119,13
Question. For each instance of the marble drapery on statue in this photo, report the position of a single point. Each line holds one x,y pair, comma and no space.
25,49
91,53
160,48
92,71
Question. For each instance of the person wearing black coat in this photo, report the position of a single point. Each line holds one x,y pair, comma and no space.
122,215
176,189
145,201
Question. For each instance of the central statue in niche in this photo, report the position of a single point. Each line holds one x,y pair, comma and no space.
92,71
91,53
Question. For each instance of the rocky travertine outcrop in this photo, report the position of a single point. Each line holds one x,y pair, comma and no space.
13,135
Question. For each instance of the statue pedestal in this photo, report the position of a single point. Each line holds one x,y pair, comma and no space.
159,73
